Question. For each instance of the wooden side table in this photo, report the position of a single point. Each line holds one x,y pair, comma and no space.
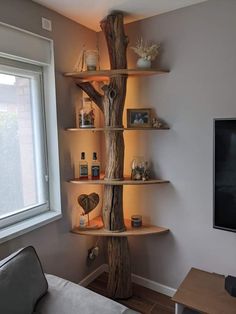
204,292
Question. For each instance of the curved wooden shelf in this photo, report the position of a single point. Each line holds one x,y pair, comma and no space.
104,75
130,231
116,129
126,181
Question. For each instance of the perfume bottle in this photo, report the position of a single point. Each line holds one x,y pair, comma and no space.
95,167
83,167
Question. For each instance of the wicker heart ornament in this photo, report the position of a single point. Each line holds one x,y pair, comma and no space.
88,202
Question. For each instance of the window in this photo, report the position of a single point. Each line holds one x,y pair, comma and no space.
23,162
29,161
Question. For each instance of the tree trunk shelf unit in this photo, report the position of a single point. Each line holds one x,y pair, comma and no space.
111,102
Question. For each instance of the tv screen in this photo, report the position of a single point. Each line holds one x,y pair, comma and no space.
225,174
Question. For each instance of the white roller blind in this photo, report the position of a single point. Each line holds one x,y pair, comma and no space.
22,45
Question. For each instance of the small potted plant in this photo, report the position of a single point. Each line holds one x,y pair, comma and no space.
146,51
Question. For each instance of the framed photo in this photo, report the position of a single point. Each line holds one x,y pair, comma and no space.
139,118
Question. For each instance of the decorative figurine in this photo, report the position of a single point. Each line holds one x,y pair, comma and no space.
156,123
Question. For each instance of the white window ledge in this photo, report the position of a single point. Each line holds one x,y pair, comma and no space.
28,225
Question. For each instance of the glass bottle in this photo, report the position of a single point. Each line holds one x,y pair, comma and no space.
86,114
83,167
95,167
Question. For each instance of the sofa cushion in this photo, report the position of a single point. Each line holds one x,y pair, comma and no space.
65,297
22,282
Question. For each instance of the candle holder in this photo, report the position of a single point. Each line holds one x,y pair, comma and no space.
91,59
136,221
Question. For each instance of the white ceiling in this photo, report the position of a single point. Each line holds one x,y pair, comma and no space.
90,12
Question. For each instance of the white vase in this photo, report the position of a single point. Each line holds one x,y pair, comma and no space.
143,63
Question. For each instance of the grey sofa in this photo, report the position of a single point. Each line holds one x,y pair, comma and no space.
25,289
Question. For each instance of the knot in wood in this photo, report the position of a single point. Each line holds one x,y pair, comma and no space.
112,94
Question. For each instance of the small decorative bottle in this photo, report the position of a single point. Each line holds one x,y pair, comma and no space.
95,167
86,114
83,167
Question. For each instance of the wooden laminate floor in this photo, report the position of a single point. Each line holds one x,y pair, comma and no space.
144,300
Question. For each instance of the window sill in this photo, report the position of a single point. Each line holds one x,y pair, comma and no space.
28,225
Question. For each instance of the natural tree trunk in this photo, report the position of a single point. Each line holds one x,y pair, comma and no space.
113,208
113,29
112,105
119,280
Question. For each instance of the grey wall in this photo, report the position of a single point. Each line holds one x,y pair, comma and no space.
61,252
199,48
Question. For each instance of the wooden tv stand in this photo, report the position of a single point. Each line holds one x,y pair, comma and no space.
204,292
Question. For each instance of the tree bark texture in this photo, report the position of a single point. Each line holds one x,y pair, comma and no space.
113,208
113,29
96,97
119,281
112,105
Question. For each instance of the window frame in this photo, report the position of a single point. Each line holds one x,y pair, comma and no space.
40,217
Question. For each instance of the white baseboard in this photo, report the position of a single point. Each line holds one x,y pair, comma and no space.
93,275
153,285
147,283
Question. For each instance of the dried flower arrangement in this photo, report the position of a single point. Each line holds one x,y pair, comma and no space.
145,50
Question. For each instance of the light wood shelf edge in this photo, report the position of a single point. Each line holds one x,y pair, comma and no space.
118,182
103,75
140,231
115,129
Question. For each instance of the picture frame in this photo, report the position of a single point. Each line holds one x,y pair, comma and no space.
139,118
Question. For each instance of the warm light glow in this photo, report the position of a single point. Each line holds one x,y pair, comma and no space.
135,145
7,79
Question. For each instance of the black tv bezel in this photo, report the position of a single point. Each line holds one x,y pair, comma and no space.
214,129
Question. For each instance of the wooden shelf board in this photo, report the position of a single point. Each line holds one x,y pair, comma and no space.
144,230
126,181
116,129
104,75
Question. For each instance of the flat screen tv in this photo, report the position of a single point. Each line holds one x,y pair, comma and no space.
225,174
